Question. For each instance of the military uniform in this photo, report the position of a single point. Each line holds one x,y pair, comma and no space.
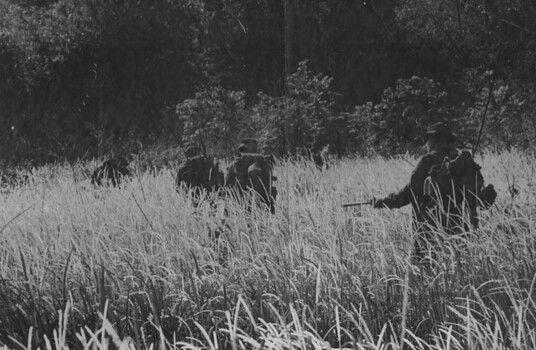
113,170
199,172
431,212
252,171
236,178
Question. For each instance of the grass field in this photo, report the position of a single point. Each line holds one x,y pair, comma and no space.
134,267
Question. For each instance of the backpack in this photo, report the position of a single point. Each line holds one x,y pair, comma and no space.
254,172
200,173
113,171
456,183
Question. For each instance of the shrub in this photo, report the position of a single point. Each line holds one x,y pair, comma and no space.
305,119
216,117
509,120
397,123
510,115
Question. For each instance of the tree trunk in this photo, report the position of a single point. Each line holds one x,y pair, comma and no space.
290,35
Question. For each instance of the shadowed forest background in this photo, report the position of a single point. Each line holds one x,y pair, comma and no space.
83,78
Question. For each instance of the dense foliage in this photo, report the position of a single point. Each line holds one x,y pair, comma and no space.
84,77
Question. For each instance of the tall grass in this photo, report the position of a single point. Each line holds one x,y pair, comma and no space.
136,267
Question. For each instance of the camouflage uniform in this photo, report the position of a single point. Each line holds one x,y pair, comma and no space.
199,173
431,211
252,171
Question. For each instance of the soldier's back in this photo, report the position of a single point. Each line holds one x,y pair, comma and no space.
458,186
200,173
253,172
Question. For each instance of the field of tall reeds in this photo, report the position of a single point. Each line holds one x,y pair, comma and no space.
139,267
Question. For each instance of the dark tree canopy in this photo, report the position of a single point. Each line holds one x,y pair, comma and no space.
80,77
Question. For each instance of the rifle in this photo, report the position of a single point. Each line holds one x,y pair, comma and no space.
369,202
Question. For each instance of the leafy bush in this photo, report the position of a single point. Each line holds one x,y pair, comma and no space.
397,123
216,117
305,119
509,118
300,122
511,115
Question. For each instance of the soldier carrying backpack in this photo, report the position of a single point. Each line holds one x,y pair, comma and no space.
456,187
199,172
252,172
444,188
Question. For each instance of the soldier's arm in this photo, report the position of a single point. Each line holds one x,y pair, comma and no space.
415,188
420,174
180,176
395,200
487,196
230,178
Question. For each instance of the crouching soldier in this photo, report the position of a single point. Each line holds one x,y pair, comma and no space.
199,173
444,190
252,172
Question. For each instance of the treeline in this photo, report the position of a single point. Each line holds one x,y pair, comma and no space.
85,77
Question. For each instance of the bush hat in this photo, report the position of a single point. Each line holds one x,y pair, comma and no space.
440,130
192,149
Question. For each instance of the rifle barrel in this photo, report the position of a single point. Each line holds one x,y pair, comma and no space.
356,204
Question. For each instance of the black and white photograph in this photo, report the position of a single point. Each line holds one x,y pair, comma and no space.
268,174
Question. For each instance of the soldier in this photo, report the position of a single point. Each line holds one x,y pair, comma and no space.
112,171
438,187
253,171
322,157
199,172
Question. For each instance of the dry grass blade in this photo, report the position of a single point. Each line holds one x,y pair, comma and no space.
15,218
64,282
309,276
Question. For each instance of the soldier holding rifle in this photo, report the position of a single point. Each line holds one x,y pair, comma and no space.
439,185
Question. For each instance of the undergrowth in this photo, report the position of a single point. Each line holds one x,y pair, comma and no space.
139,267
